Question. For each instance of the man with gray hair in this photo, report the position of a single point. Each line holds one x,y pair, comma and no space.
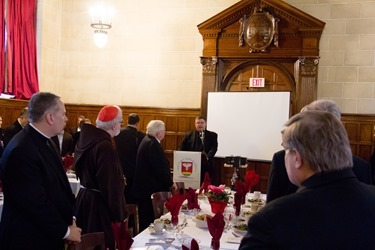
152,173
100,201
331,209
278,182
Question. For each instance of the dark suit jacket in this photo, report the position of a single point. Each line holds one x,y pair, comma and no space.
127,143
67,144
153,171
11,131
331,211
279,184
38,200
192,142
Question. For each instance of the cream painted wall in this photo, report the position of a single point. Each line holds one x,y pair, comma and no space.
151,59
347,51
161,38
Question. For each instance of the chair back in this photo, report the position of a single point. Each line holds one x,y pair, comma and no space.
158,199
132,213
90,241
180,185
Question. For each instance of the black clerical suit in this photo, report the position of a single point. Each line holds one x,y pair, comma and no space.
38,200
205,142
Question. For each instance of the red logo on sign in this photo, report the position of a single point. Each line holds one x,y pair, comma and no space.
186,168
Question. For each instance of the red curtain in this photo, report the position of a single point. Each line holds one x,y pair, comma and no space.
22,70
2,46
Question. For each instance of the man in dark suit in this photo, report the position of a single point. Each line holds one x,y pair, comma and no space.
17,126
38,200
278,182
201,140
64,143
152,173
331,209
127,143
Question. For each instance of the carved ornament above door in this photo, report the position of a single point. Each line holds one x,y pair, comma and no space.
258,31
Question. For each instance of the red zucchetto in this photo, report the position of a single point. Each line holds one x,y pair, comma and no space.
108,113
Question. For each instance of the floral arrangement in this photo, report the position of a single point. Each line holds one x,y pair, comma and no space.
217,193
68,162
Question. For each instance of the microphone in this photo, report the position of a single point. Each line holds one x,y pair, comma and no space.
201,135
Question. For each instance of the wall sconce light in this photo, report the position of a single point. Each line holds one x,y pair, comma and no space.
101,21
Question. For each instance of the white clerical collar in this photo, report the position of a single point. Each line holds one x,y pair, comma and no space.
40,132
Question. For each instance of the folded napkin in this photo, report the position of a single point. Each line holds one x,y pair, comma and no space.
239,196
68,162
193,245
120,231
174,204
205,184
192,199
215,227
251,179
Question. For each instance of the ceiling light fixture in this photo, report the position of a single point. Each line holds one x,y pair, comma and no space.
101,21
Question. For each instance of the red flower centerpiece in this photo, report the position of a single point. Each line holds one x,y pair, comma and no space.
218,198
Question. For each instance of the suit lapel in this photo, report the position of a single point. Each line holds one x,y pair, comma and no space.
52,159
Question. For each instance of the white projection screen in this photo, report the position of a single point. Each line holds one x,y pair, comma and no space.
248,124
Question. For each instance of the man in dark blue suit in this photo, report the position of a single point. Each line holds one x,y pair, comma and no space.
38,200
331,209
278,182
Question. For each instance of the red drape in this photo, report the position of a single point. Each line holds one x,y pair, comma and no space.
21,48
2,49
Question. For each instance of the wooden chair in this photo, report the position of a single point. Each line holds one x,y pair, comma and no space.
158,199
132,212
180,185
90,241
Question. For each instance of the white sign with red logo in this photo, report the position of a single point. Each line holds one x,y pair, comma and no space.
187,168
257,82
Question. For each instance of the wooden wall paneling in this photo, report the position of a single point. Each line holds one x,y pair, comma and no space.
10,110
361,134
360,129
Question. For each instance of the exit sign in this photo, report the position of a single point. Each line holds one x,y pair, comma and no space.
257,82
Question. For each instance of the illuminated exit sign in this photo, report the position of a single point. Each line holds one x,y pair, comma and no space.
257,82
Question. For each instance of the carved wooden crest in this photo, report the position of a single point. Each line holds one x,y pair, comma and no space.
258,31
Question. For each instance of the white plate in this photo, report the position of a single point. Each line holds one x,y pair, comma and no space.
152,232
234,239
200,223
239,232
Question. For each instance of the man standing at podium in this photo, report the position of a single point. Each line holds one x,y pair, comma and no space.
201,140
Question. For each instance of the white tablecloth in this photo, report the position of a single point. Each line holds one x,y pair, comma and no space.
202,235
